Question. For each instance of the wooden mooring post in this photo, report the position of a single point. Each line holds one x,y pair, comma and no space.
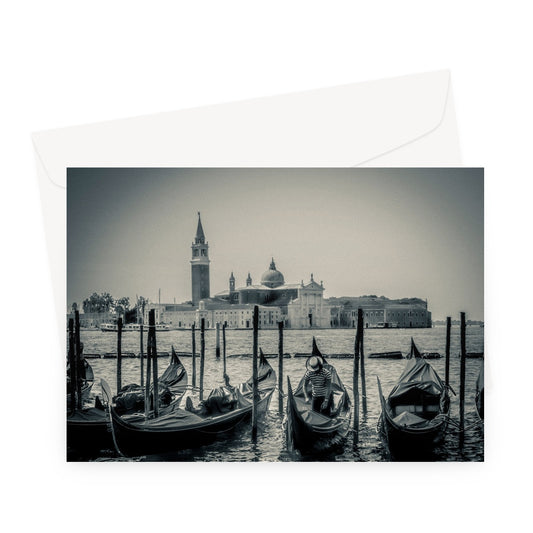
360,325
142,356
77,356
355,384
224,352
119,354
447,367
280,367
217,348
462,376
72,364
154,362
202,358
193,333
148,374
255,374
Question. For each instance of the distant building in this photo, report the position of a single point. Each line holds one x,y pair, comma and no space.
297,305
94,320
380,312
238,316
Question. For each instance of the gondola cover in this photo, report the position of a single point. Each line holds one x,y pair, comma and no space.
171,384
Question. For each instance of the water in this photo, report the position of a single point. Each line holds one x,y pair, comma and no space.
270,444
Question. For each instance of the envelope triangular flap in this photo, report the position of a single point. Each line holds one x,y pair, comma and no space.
364,120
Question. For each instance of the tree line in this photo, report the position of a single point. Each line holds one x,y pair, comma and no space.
105,303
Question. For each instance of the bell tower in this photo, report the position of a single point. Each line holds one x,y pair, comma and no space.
200,265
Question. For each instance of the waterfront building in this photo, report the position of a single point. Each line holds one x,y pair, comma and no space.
380,312
213,311
94,320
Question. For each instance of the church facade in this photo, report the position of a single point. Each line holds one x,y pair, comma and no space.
301,305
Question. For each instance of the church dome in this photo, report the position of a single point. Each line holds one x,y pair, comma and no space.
272,277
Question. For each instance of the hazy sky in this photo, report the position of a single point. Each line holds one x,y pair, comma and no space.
393,232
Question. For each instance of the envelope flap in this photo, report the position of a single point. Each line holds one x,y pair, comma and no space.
365,120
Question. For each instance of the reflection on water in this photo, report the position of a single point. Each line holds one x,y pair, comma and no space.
270,442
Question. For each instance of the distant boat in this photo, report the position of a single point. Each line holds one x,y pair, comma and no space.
108,327
431,355
131,327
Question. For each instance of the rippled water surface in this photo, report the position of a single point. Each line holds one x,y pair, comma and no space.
270,444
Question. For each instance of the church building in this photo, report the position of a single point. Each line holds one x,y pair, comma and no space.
301,305
298,305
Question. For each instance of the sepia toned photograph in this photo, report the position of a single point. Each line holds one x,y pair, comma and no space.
275,314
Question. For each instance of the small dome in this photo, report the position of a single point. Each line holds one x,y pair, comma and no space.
272,277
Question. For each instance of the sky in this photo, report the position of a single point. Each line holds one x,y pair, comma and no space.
392,232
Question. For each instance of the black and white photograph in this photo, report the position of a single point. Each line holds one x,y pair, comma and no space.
261,262
275,315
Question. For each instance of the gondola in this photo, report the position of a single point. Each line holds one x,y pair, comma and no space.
224,409
480,394
386,355
414,417
310,431
86,381
88,429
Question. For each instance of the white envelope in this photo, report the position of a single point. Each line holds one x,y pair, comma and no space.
407,121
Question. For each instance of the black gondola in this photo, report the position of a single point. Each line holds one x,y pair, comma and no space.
225,408
386,355
310,431
480,394
88,429
414,417
86,377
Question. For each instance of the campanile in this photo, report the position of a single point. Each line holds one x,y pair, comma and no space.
200,265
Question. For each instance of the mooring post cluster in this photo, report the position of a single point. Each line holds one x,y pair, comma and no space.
119,355
355,382
462,377
280,367
193,334
77,345
202,358
224,352
72,365
153,355
447,367
255,391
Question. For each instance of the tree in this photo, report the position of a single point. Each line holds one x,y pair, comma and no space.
98,303
122,305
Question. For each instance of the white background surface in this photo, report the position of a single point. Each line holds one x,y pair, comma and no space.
65,63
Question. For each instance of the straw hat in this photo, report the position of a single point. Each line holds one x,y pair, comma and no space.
315,363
